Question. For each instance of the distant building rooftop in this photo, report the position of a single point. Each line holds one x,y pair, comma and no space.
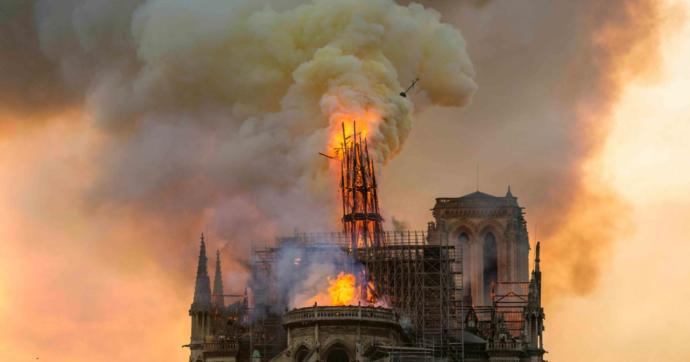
476,199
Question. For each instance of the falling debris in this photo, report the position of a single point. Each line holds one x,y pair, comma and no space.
404,93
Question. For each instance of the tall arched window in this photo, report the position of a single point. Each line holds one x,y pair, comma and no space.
463,239
464,248
490,265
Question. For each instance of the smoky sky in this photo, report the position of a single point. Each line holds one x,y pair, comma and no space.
30,81
129,127
547,74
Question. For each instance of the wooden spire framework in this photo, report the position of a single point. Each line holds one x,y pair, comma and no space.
361,218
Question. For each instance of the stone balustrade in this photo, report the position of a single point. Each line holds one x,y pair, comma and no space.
331,313
504,346
221,346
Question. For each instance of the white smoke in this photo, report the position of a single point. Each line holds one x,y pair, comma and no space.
300,276
218,108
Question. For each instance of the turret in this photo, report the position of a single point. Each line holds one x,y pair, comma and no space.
534,313
510,199
202,287
535,282
218,284
200,310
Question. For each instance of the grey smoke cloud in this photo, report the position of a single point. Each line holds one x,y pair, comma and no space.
300,276
212,113
213,109
159,173
549,74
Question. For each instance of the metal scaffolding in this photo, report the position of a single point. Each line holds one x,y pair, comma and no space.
417,273
266,334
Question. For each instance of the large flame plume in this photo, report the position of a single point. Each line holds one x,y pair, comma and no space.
342,289
343,122
325,276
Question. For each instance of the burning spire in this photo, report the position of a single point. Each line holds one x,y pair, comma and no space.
361,218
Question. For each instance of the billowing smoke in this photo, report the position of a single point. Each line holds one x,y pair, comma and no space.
220,108
550,74
169,118
127,127
300,277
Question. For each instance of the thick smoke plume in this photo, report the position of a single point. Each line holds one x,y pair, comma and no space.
550,74
168,118
301,277
223,106
117,148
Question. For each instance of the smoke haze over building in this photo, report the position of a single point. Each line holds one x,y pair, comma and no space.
128,127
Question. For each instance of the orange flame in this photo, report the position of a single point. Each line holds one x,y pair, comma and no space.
366,122
345,290
342,289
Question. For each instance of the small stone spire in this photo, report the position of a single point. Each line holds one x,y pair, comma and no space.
535,283
218,284
535,312
202,288
510,199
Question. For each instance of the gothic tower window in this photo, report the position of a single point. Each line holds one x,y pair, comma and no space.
463,239
490,276
464,247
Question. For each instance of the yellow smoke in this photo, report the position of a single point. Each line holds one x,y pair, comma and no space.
309,63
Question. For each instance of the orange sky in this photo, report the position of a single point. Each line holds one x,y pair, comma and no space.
639,311
99,300
62,296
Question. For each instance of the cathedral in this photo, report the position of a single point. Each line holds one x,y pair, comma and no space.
461,291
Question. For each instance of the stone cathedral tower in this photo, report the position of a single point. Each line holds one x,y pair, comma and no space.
200,311
215,325
493,235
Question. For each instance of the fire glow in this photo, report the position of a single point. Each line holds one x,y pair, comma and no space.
344,290
365,121
348,139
